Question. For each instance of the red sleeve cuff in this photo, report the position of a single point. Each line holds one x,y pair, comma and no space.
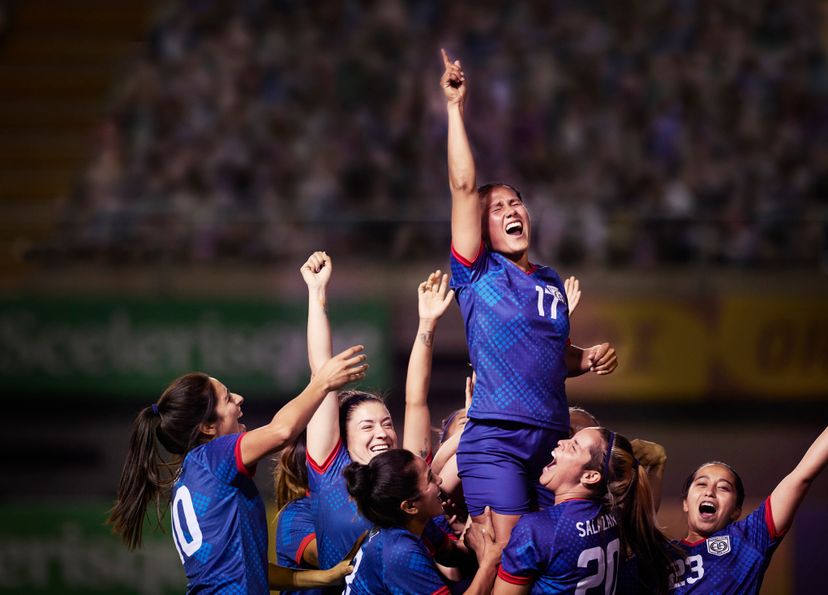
774,534
302,546
465,261
240,466
328,461
512,579
442,591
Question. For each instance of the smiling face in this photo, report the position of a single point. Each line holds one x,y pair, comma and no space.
228,412
428,501
506,223
569,475
370,431
711,502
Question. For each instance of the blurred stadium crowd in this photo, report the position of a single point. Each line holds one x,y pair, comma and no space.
641,133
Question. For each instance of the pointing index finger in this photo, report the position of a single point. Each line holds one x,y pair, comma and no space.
446,60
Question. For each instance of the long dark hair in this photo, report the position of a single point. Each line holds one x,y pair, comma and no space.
627,492
174,422
382,485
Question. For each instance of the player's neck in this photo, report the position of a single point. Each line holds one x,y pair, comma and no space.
416,525
521,260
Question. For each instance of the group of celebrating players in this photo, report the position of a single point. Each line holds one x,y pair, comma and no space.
489,511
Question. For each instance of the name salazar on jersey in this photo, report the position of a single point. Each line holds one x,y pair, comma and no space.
596,525
718,546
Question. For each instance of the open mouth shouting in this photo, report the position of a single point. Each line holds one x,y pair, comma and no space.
514,228
707,510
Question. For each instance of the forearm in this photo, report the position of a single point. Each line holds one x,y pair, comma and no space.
319,328
574,361
417,424
461,167
788,495
483,581
281,578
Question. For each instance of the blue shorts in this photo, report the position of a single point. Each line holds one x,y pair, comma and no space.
500,462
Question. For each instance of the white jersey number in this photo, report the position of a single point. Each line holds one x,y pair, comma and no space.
350,578
184,547
693,565
607,568
556,299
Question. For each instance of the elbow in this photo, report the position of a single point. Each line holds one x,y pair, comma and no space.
462,184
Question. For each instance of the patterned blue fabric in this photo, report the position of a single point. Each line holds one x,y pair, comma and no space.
394,561
219,524
294,530
336,518
733,560
570,546
517,329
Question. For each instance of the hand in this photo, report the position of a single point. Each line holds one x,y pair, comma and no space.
470,382
337,574
434,296
317,270
342,368
453,81
480,537
649,454
601,359
573,293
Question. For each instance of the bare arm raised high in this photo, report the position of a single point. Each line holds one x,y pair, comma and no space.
466,212
790,492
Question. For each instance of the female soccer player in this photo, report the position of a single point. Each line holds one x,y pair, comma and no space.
517,328
218,518
601,532
399,494
356,426
295,534
725,555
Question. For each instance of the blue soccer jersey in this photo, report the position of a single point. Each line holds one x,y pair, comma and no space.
394,561
294,532
337,520
732,560
218,519
572,546
517,329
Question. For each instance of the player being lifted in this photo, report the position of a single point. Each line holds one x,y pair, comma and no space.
517,328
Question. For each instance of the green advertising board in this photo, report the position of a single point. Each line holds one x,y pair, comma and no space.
131,348
69,549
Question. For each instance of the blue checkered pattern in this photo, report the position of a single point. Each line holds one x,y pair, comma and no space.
293,528
745,549
517,351
395,562
230,514
336,518
557,550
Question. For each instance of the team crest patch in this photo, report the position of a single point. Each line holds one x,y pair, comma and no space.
719,546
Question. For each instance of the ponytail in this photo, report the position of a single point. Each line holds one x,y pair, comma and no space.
290,477
630,497
175,422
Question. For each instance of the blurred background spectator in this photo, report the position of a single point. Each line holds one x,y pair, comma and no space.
642,133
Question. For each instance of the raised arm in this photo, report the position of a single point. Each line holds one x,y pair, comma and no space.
291,419
323,429
465,205
433,299
790,492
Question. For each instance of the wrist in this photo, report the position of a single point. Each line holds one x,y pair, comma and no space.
427,324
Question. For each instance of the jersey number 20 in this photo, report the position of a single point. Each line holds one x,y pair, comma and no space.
607,568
